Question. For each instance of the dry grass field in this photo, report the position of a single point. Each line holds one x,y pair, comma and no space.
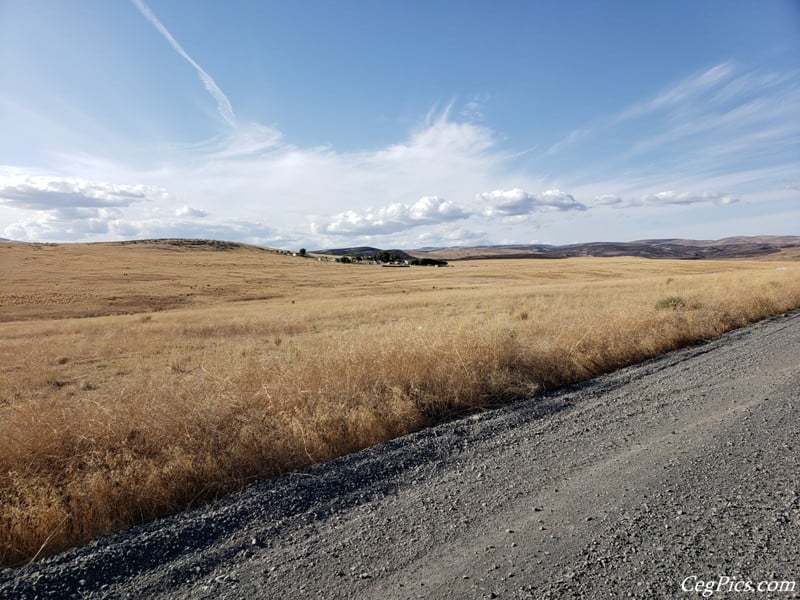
140,379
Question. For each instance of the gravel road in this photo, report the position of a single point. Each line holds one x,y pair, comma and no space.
687,466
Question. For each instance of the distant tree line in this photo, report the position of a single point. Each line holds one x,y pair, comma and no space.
376,257
428,262
390,257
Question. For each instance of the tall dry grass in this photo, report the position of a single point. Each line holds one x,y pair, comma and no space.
112,421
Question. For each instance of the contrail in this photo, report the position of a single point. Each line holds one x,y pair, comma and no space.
223,104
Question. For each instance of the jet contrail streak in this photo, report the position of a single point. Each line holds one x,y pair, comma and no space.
223,104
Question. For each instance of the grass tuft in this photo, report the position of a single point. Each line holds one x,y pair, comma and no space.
671,302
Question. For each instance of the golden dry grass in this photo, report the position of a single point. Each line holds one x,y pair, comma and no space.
264,363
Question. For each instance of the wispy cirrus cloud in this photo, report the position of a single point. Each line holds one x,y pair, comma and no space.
570,139
688,89
518,202
474,109
223,104
729,131
744,126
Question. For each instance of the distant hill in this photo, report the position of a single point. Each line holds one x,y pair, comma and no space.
733,247
197,244
363,251
784,247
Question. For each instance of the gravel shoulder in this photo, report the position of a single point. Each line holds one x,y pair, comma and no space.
684,466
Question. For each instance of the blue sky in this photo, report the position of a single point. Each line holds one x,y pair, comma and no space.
398,124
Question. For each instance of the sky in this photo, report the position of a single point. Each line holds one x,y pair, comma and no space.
422,123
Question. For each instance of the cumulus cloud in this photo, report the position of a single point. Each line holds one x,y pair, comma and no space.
64,224
112,224
230,229
46,193
608,200
670,197
188,211
428,210
667,198
518,202
67,208
451,236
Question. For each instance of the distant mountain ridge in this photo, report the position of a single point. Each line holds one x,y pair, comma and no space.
732,247
783,247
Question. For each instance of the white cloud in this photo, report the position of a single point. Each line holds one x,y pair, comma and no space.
450,236
428,210
64,224
39,192
230,230
608,200
111,224
442,135
188,211
682,198
518,202
666,198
